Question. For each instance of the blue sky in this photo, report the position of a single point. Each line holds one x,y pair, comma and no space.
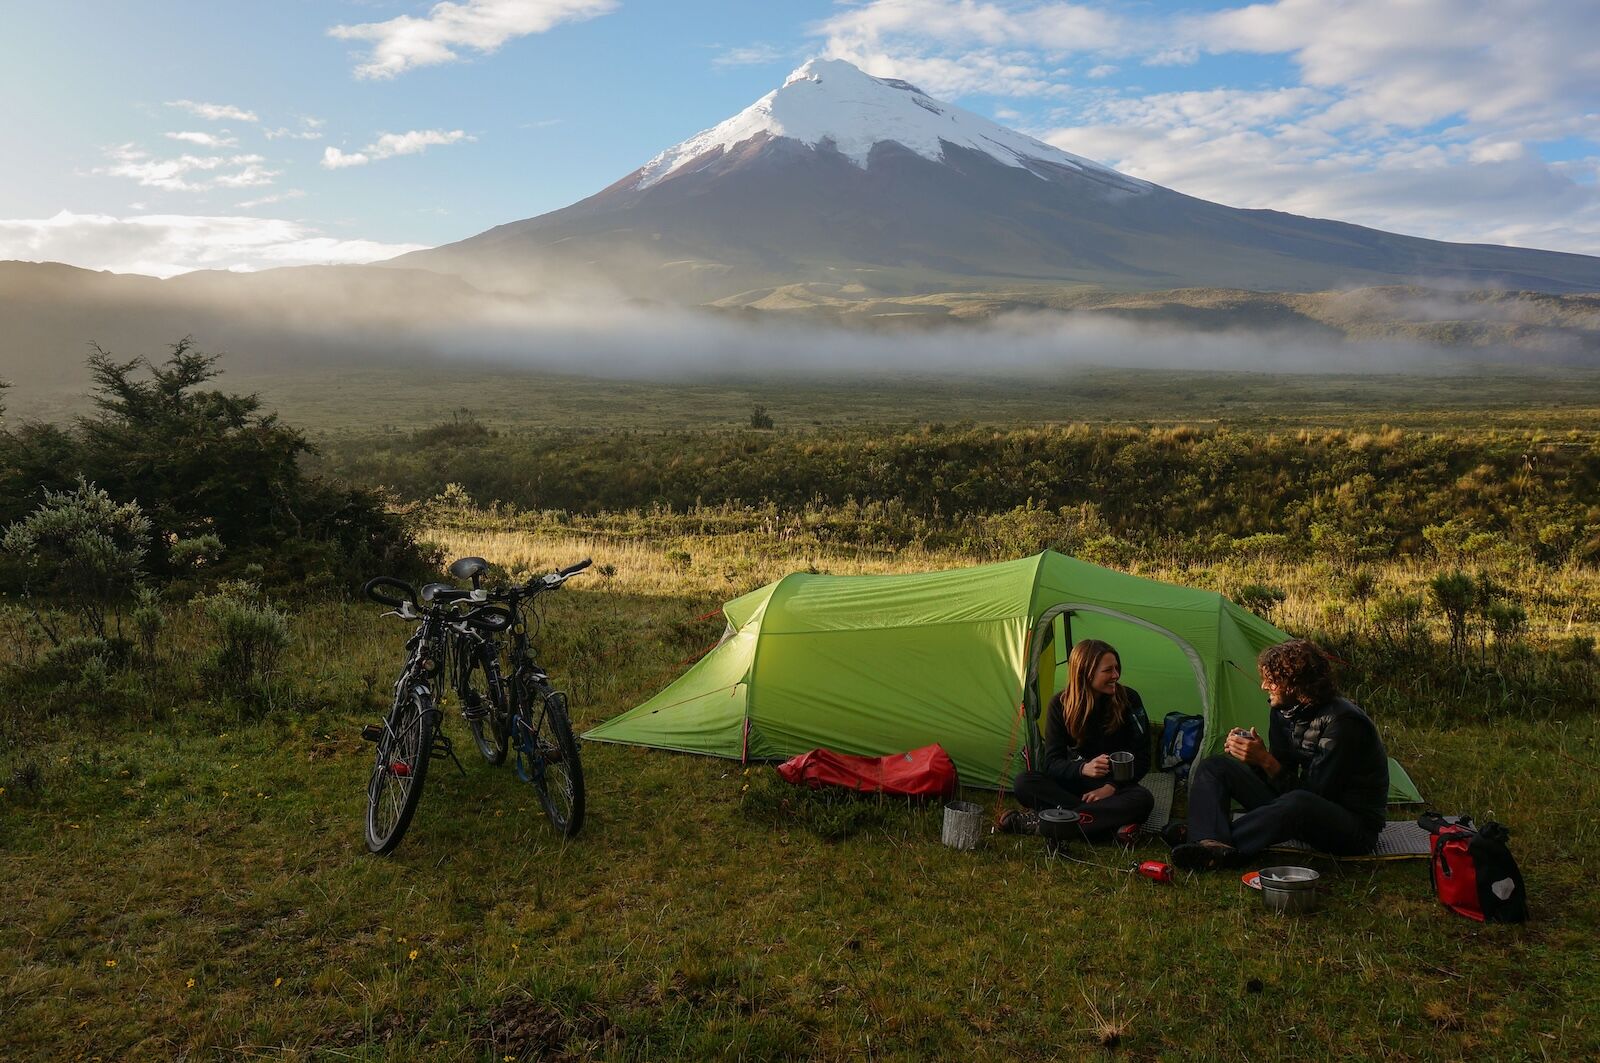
163,136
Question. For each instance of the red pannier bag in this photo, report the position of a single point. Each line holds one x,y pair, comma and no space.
925,772
1474,873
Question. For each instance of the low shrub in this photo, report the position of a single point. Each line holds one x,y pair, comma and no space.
251,634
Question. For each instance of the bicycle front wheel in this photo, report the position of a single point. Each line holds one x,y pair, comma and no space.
482,689
399,770
550,754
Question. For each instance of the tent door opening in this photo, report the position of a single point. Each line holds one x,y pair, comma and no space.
1047,640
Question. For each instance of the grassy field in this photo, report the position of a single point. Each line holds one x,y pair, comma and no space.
344,401
339,401
186,879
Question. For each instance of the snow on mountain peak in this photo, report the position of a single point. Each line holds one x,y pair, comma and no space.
832,100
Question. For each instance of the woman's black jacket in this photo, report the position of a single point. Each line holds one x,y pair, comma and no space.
1064,761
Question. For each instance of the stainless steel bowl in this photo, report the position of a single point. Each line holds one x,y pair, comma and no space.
1289,890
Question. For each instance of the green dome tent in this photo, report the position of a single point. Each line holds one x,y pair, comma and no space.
880,664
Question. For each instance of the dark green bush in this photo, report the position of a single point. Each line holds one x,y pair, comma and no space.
220,479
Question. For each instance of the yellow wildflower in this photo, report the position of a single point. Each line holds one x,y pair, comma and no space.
413,955
111,963
276,982
189,984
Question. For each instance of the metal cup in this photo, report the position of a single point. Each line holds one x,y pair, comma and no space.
1122,767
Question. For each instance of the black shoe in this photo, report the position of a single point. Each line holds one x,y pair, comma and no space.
1194,856
1175,834
1020,821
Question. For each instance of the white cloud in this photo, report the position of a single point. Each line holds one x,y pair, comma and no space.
277,197
1424,117
1465,192
958,47
177,175
310,129
1426,60
389,145
162,245
252,176
405,42
205,140
334,159
751,55
217,112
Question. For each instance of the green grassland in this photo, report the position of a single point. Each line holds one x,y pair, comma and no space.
187,880
364,401
338,401
184,873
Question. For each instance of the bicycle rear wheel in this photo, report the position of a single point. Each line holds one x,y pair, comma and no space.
399,769
547,755
480,683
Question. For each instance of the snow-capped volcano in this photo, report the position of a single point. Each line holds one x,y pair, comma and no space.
868,184
829,102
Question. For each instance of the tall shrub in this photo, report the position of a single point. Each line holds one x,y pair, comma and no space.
81,553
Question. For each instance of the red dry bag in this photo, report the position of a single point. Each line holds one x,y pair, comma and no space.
925,772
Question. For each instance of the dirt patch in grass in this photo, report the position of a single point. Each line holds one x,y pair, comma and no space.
522,1028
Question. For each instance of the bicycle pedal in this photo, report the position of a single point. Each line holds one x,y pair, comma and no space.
372,732
473,713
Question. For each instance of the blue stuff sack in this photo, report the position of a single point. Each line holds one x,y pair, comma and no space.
1180,741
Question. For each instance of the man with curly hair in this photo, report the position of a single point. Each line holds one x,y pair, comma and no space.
1321,776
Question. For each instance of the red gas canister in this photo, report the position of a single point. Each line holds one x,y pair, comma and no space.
1155,871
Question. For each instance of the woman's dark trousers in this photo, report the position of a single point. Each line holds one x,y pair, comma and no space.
1269,817
1131,804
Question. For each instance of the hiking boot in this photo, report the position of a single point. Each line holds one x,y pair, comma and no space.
1197,856
1020,821
1175,834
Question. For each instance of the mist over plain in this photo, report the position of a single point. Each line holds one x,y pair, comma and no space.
281,320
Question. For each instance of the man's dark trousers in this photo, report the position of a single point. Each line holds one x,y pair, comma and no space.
1269,817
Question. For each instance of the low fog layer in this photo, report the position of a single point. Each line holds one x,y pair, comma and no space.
280,320
662,342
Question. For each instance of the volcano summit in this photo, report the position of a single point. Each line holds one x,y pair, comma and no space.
869,184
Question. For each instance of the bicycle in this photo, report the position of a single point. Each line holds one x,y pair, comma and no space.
410,734
526,714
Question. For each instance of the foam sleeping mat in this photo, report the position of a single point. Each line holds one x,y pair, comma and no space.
1400,840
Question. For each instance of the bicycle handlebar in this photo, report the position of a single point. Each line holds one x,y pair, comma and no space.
374,585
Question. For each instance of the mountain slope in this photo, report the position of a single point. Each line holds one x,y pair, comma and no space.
843,178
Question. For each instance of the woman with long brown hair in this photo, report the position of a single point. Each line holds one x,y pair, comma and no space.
1092,718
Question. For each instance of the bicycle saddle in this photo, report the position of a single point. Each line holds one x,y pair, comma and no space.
469,568
443,593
